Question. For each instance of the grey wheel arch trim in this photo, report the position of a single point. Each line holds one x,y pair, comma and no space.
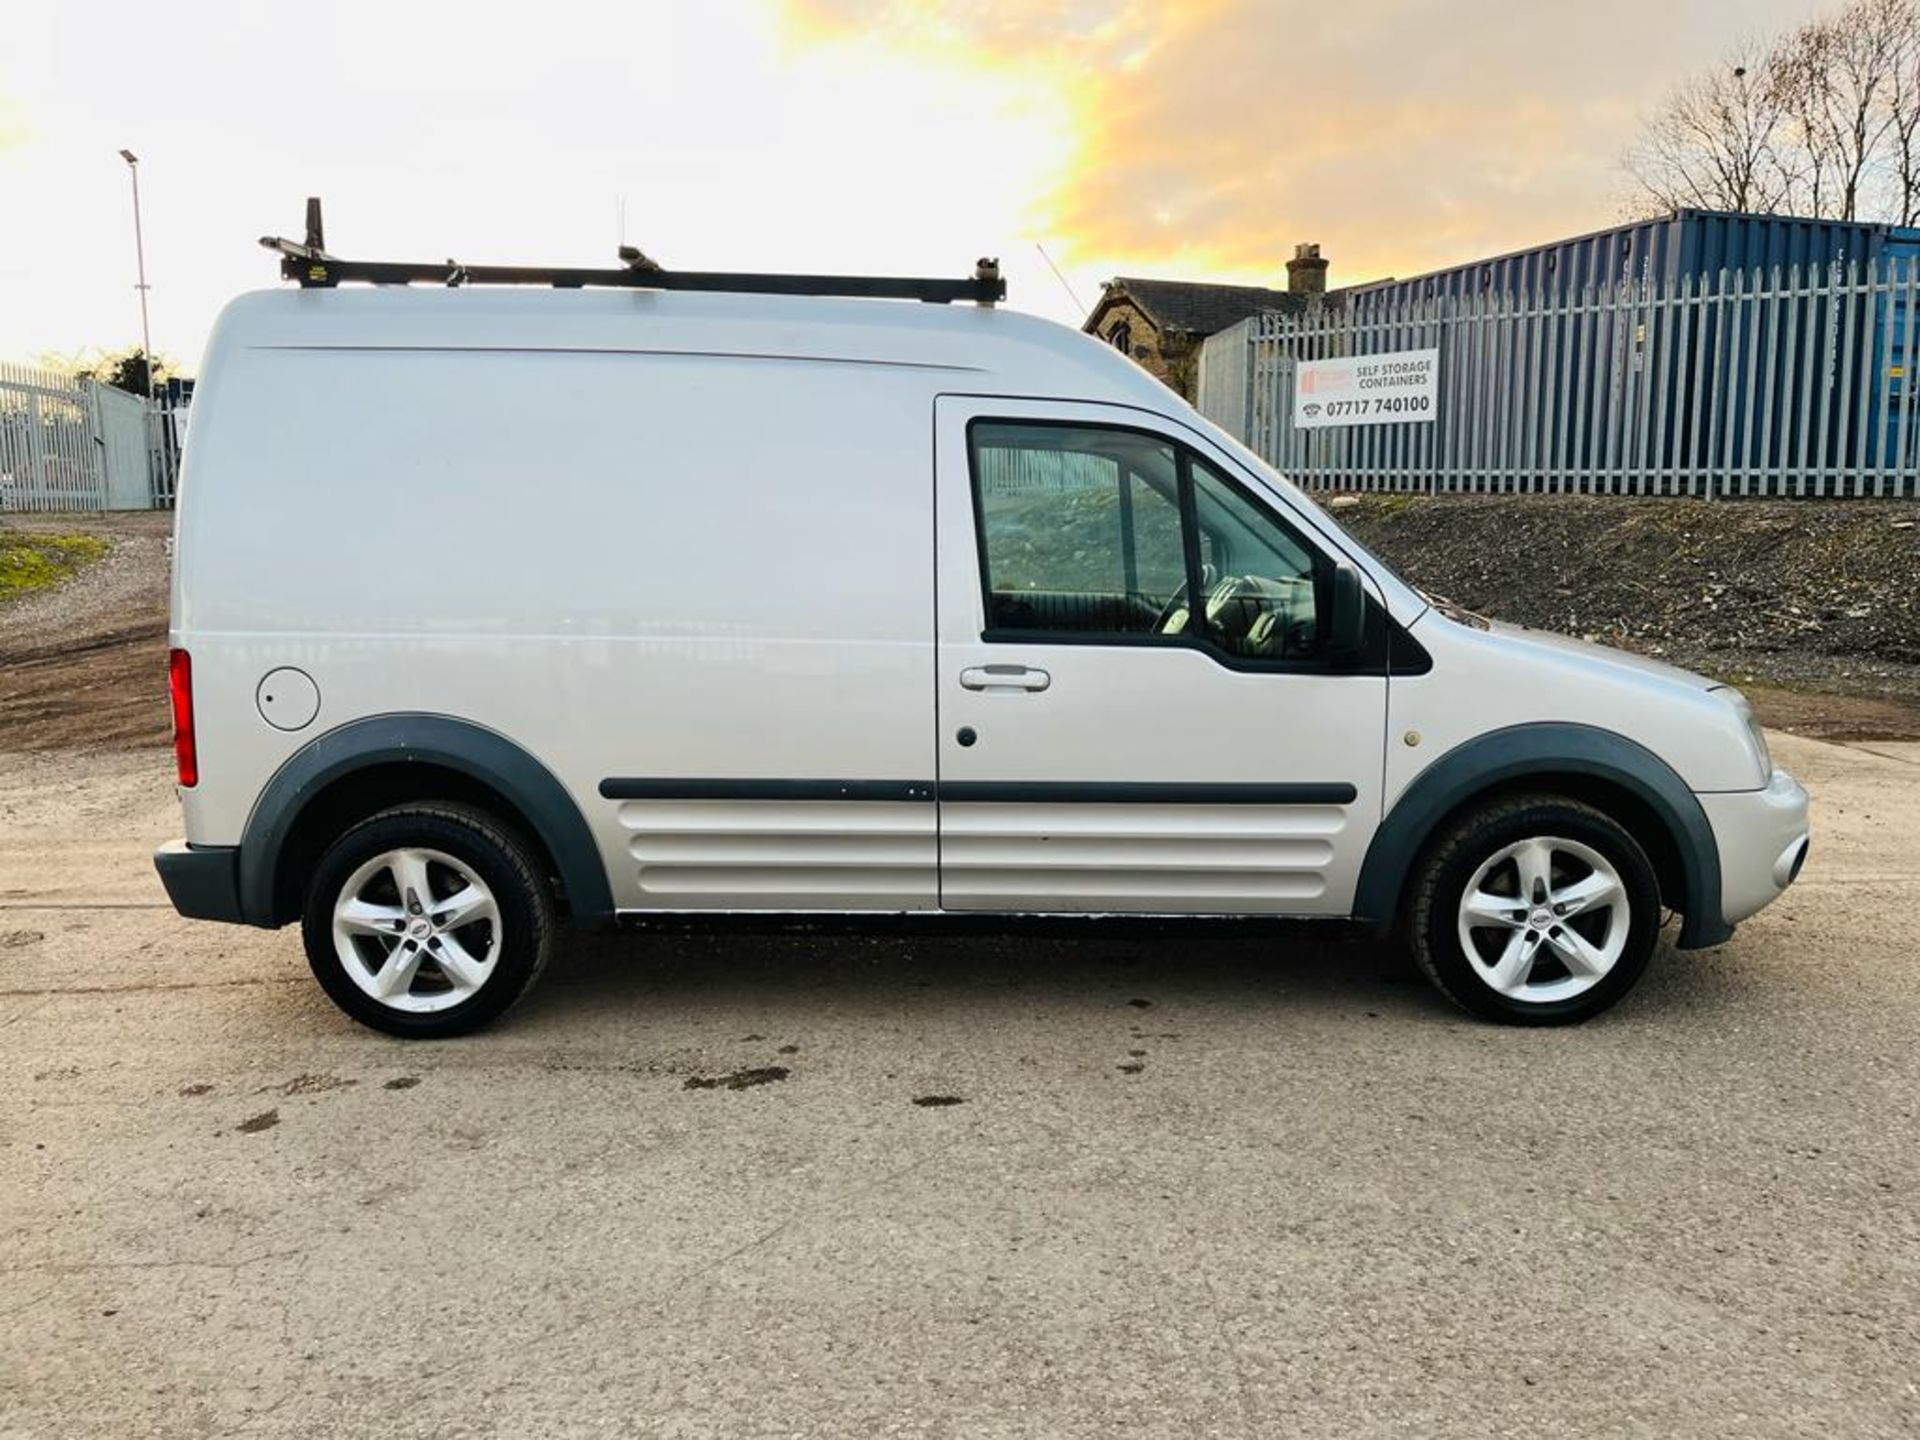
473,750
1503,756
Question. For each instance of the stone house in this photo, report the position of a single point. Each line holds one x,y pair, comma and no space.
1161,323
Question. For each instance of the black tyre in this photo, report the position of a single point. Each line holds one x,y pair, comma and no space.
428,920
1535,910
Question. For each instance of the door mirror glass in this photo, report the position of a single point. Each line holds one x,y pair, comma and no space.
1348,631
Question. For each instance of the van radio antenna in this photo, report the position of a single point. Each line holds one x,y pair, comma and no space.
313,267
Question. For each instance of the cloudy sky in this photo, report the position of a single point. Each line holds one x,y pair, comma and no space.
1197,140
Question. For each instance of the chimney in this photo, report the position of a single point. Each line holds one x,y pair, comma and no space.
1306,271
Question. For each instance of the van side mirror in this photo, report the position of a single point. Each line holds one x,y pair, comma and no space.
1347,622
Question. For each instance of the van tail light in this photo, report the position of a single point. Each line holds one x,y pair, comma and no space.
180,688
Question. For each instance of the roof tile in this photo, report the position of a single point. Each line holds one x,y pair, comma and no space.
1202,309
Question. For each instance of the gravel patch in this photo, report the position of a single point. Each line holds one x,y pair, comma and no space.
84,664
105,595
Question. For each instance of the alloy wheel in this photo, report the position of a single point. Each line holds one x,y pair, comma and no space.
416,930
1544,919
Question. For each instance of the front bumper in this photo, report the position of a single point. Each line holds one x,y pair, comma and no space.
203,881
1762,836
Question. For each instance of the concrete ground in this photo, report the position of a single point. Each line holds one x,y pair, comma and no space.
1193,1187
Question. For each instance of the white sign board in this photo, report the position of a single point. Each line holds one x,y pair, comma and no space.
1390,389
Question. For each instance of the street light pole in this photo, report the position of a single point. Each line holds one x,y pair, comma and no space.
140,255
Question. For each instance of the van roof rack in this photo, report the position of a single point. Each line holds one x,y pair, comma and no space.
314,268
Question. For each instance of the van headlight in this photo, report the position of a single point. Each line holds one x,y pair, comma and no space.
1756,737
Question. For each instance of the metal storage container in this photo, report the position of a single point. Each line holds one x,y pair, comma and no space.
1748,258
1688,242
1898,392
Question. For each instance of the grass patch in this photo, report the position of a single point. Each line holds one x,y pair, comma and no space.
31,562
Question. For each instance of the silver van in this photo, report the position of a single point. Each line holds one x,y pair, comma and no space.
501,606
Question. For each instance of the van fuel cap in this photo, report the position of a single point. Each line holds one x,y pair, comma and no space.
288,698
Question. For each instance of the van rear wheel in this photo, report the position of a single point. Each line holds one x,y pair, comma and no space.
1536,911
428,920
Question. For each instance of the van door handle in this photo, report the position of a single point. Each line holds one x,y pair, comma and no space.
1004,677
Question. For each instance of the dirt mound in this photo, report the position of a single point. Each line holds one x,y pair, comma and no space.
1796,597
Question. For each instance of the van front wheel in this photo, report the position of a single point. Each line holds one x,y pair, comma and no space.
427,921
1536,911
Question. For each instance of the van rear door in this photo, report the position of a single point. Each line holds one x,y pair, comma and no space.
1137,710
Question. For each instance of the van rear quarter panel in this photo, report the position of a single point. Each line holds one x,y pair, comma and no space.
628,563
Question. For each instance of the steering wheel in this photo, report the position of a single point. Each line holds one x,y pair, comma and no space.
1163,625
1179,600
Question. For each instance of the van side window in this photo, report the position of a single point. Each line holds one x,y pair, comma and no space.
1087,531
1079,528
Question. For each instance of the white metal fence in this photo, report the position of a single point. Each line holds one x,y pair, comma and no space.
72,444
165,431
1743,383
48,456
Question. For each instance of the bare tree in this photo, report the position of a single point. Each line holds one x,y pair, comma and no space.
1715,142
1824,122
1836,76
1903,104
1796,75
